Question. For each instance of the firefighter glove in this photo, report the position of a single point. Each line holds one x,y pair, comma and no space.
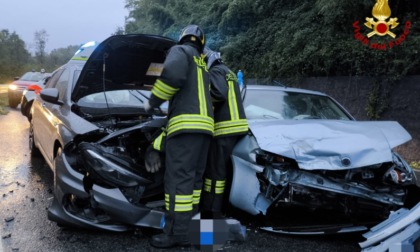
152,160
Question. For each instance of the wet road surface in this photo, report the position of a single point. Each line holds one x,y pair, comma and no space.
26,192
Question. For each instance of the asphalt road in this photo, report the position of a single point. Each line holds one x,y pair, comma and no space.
26,192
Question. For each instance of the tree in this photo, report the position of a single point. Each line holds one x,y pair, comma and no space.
283,38
13,56
119,31
59,57
41,38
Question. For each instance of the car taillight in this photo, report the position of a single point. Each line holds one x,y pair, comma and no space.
35,88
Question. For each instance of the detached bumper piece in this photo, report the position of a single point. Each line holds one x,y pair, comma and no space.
396,234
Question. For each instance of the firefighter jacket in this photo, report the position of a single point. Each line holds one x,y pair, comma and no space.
185,83
229,115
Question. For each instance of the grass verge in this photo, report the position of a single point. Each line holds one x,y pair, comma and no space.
4,101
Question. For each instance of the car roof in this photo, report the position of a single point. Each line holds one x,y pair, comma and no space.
283,88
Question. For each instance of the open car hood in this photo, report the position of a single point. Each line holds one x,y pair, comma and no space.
132,61
330,144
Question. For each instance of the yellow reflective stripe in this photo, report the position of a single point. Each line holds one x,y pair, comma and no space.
184,126
183,198
230,131
230,127
163,91
183,208
182,122
220,182
231,124
157,143
196,197
207,185
183,203
233,105
80,58
191,118
167,201
201,92
220,186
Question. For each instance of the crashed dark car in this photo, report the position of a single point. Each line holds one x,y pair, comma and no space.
303,148
90,126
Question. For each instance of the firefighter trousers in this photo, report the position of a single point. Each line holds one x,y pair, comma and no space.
215,175
186,156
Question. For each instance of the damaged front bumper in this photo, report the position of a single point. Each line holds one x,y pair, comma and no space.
103,208
275,183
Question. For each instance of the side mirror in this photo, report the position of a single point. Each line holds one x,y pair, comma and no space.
50,95
17,78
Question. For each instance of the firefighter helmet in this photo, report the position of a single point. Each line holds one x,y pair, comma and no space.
194,33
211,57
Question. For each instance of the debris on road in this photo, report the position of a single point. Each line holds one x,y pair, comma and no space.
7,236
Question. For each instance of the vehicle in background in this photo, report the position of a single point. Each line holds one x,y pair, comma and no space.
29,94
17,87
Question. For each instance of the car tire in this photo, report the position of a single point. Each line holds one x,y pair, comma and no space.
32,147
13,102
23,103
28,110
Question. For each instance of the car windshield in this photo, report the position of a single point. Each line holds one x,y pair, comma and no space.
278,104
32,76
117,98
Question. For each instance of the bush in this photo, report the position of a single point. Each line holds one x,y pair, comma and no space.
415,165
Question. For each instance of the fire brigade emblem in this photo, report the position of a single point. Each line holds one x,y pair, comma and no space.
381,27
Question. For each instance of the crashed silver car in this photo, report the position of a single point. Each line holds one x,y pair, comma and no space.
303,149
307,154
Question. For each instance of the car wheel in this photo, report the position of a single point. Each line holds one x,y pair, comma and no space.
32,147
28,111
13,102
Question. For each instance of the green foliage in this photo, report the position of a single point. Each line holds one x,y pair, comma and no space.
415,165
13,56
293,39
58,57
280,38
378,101
16,60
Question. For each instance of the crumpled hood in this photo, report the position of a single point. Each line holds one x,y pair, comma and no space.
330,144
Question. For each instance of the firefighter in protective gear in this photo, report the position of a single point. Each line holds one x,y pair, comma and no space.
230,124
185,83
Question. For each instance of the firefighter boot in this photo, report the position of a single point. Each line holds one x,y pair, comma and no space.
169,241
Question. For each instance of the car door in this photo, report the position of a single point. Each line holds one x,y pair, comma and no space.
48,117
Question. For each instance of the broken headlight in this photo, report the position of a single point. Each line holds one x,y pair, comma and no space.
110,171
